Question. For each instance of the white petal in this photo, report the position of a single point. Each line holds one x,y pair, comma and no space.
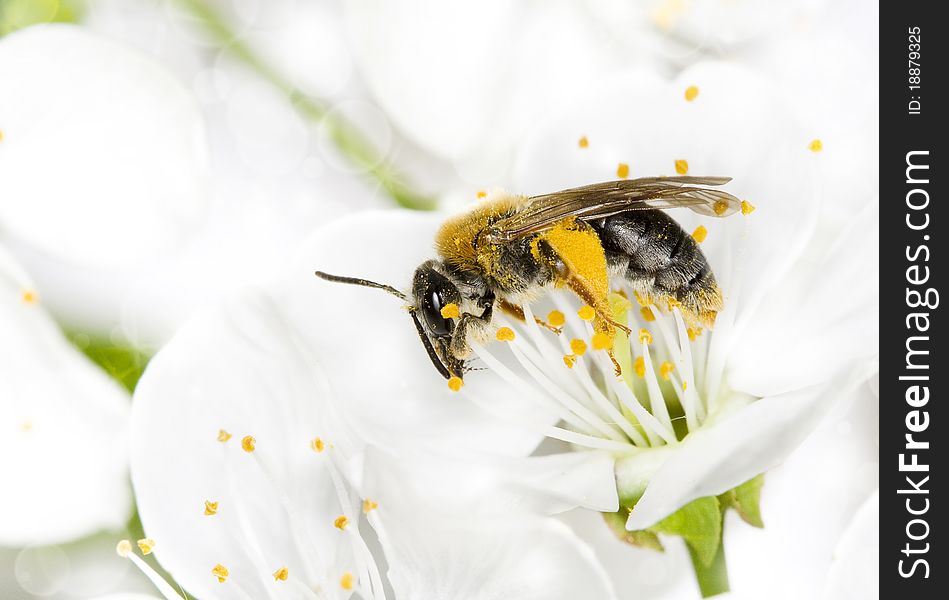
855,574
102,151
366,342
237,369
64,428
728,452
444,552
824,317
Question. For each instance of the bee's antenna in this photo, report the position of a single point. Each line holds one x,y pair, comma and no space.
362,282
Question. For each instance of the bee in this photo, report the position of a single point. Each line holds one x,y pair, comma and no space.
509,249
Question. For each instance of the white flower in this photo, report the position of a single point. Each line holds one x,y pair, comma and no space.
798,313
257,447
63,424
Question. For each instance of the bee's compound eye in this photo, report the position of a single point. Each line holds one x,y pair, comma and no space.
432,311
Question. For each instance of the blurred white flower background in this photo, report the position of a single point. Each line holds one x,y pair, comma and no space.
173,171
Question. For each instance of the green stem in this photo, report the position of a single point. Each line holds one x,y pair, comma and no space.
713,577
348,139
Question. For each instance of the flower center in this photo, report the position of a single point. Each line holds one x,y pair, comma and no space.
661,395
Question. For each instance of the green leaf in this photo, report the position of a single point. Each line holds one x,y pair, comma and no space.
644,538
700,523
123,363
746,500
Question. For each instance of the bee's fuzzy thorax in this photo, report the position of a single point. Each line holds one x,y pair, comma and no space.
456,240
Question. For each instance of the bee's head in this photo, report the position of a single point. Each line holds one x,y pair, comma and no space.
431,293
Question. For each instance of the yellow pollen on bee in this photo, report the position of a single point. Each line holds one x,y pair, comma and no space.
682,166
505,334
146,545
665,369
482,194
29,297
569,360
210,508
317,444
556,318
586,312
450,311
281,574
341,522
720,207
700,234
579,347
221,572
602,341
248,443
645,337
640,367
123,548
223,436
747,207
646,312
622,170
455,383
691,93
346,581
369,505
816,145
584,142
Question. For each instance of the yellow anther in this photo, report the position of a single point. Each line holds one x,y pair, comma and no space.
317,444
505,334
602,341
622,170
685,385
682,166
455,383
369,505
210,508
29,297
281,574
646,312
692,334
123,548
341,522
146,545
1,135
569,360
815,145
640,366
223,436
691,93
450,311
579,347
645,337
248,443
25,427
720,207
665,369
672,303
643,301
482,194
346,581
586,313
700,234
584,142
556,318
747,207
221,572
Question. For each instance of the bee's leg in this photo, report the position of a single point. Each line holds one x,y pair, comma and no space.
459,337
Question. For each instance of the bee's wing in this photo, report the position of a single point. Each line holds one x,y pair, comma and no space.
601,200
